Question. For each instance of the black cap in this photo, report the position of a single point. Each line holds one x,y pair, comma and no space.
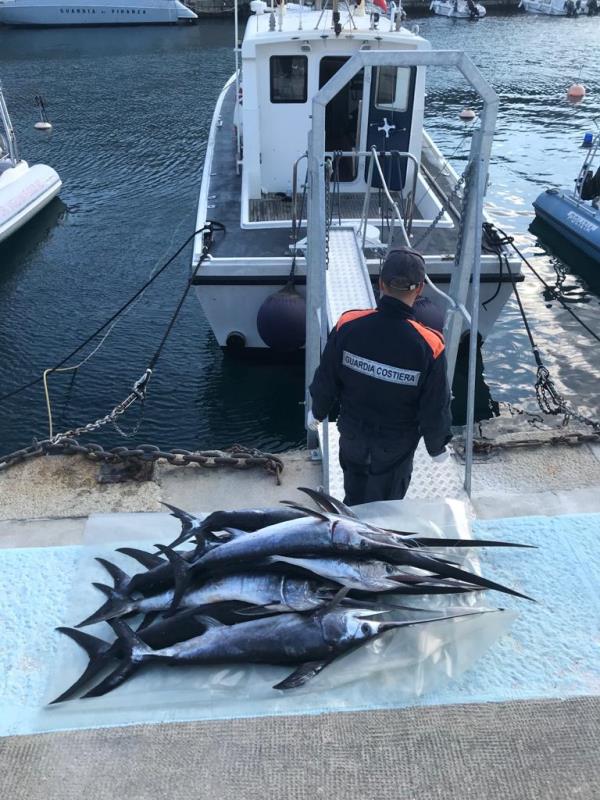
403,269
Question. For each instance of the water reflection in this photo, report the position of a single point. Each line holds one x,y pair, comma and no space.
30,237
568,261
485,406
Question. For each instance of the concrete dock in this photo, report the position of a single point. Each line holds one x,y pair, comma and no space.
530,749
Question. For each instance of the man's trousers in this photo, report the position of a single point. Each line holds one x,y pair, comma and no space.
377,463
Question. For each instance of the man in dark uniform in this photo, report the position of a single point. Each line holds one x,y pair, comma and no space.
387,371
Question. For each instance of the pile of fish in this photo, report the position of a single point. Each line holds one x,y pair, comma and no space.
281,586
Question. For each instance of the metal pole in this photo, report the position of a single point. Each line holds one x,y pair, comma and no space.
10,133
237,86
469,253
316,314
479,178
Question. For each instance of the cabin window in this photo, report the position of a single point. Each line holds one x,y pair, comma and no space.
289,79
393,88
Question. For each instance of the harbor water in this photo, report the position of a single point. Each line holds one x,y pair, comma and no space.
131,109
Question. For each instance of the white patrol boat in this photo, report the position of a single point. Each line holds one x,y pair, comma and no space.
254,178
43,13
24,190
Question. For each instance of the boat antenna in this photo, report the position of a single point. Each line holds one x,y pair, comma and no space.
335,17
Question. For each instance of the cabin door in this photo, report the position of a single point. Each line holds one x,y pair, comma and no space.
342,117
390,118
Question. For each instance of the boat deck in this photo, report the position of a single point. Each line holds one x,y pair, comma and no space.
224,205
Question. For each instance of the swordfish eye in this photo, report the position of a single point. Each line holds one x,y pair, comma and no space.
365,628
389,569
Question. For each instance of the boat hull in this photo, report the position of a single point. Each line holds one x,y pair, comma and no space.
231,299
575,220
456,10
22,197
17,13
555,8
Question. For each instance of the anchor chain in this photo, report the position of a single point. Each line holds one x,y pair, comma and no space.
549,398
328,212
138,393
445,206
236,456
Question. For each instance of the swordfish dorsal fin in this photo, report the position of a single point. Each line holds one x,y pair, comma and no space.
328,502
309,512
181,569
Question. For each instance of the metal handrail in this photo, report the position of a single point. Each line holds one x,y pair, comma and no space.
11,139
374,155
391,201
295,221
451,302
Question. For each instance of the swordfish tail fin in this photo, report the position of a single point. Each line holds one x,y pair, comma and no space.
122,579
100,653
135,653
192,526
117,605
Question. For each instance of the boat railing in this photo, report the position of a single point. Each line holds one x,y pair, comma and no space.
589,159
11,139
403,222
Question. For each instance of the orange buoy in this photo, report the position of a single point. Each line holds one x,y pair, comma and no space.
576,91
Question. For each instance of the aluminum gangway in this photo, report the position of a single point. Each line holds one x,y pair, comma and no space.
347,286
337,274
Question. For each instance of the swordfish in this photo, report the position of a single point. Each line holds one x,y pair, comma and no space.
308,642
258,588
329,536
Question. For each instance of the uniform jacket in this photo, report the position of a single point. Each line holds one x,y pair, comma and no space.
388,372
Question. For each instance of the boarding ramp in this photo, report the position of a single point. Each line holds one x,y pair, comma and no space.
347,286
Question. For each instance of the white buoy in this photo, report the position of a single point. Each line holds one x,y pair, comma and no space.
44,123
576,91
467,114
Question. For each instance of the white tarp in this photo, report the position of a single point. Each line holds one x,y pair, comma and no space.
396,669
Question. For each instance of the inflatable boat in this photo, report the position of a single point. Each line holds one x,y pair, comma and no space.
24,190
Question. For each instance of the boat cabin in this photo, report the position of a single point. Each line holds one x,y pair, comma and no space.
288,55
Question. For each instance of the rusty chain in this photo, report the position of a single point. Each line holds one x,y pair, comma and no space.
487,449
236,456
